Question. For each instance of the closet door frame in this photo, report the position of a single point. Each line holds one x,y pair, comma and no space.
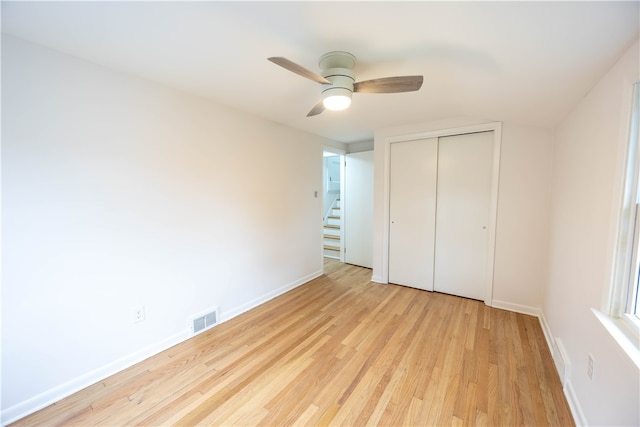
496,127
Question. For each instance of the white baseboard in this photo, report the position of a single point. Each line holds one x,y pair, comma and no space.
558,354
547,331
574,405
563,366
561,359
518,308
61,391
378,279
57,393
230,314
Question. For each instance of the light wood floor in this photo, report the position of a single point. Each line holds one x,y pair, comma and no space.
339,350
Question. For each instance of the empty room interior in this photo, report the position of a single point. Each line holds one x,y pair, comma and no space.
320,213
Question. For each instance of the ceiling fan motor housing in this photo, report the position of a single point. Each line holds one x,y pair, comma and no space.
337,67
342,79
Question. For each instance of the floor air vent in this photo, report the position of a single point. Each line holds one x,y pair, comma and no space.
205,321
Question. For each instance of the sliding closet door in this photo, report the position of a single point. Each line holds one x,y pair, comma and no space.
462,214
412,201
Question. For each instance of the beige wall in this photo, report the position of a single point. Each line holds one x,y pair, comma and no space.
118,192
589,151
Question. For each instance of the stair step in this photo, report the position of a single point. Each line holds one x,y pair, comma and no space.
332,232
333,221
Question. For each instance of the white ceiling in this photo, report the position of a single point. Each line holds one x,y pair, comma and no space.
525,62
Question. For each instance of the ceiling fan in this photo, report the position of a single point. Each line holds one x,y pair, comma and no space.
339,83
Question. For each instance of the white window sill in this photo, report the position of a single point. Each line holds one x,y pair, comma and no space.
625,332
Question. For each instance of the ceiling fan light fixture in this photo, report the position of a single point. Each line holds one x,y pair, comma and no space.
338,81
336,99
336,102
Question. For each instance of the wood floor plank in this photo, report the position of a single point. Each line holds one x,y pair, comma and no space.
389,360
339,350
384,401
305,418
270,382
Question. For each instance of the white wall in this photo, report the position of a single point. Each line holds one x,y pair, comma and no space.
358,208
588,166
520,270
358,147
119,192
522,240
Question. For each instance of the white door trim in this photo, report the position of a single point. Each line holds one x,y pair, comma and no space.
496,127
338,152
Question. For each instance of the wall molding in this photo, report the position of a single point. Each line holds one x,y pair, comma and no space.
378,279
61,391
563,366
48,397
230,314
517,308
574,405
558,354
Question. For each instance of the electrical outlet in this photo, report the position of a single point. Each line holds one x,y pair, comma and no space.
590,367
137,314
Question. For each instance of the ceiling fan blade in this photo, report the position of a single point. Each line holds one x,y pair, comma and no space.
293,67
317,109
389,85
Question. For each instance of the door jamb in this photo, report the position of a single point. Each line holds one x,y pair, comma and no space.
342,153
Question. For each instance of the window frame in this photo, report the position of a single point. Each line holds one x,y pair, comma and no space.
619,313
630,305
628,289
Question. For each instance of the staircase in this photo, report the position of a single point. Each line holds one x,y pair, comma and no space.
332,232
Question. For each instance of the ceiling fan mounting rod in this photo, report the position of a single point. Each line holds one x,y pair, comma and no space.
337,59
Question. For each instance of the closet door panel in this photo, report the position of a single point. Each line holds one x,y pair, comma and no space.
462,214
412,203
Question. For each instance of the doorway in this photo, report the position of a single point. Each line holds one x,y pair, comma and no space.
332,218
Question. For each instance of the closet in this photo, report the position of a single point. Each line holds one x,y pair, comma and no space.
440,198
